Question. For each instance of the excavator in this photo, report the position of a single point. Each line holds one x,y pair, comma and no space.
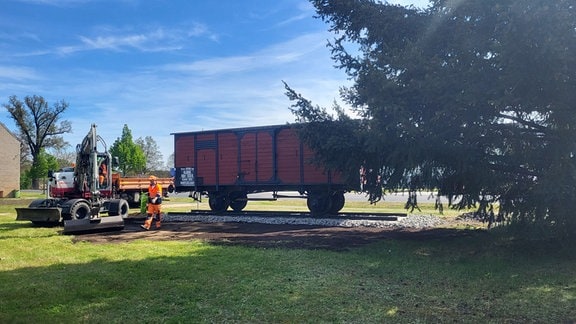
81,197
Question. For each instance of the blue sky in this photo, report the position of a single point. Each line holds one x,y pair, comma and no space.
166,66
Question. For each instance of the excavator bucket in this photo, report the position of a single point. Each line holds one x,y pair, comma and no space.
106,223
38,214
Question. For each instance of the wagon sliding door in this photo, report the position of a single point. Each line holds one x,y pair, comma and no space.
227,158
256,157
288,157
296,164
206,159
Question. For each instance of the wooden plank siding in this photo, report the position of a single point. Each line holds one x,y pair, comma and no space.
254,159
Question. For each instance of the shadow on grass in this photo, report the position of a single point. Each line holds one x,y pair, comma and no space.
14,230
16,225
247,285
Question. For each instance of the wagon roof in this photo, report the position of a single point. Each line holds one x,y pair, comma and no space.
239,129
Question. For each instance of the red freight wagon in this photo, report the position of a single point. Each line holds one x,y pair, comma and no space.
228,164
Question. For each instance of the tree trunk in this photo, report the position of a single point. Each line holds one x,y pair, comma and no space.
36,184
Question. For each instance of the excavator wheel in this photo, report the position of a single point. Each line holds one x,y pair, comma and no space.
80,210
117,210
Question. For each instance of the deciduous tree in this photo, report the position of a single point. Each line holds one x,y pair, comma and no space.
39,124
170,162
43,163
154,159
130,155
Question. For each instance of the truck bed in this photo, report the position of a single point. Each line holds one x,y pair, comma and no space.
139,183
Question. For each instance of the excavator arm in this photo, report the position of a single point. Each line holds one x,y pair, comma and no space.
86,170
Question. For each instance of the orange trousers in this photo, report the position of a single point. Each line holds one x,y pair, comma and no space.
154,212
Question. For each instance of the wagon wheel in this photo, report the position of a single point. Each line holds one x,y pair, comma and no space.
80,210
218,202
319,203
338,201
238,200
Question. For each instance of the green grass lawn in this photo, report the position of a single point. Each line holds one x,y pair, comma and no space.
478,278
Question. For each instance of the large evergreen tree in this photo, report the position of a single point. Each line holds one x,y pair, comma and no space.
474,98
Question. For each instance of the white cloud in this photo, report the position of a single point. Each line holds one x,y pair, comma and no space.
215,66
16,73
296,51
152,40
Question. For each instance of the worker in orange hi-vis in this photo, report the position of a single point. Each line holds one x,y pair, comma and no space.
154,203
102,174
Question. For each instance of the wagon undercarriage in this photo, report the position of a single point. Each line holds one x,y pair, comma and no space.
319,203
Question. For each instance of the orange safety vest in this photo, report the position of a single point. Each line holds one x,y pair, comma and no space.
154,191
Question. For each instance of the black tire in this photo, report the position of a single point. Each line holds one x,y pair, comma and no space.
238,200
319,203
80,210
118,207
124,209
338,202
218,202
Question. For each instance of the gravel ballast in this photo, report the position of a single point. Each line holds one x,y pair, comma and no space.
410,221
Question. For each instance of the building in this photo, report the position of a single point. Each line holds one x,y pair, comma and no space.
10,162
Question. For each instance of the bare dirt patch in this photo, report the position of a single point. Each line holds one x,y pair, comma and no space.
269,235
